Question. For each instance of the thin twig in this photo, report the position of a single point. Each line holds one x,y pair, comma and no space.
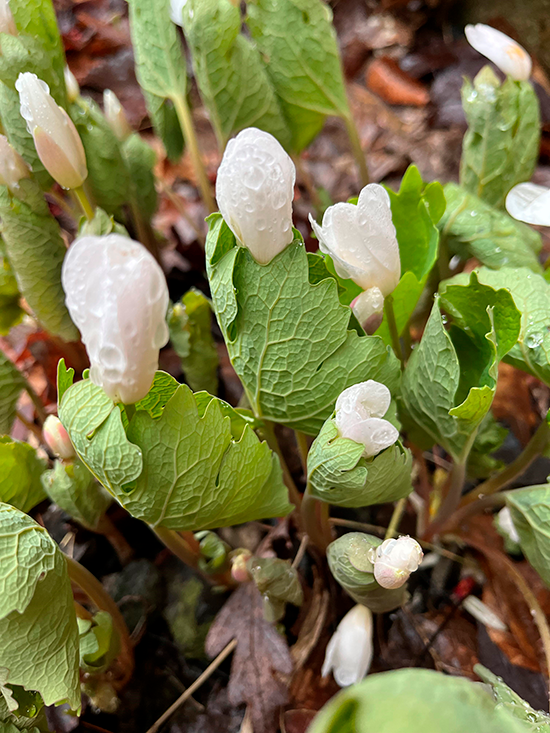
301,551
195,686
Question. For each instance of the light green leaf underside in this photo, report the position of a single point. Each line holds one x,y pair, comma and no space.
472,228
287,338
530,509
20,474
11,312
12,383
230,73
140,160
339,475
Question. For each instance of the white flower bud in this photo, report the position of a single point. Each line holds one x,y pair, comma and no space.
368,308
394,560
57,142
509,56
254,190
530,203
57,439
176,11
361,240
349,652
359,410
12,166
506,523
7,23
115,115
71,84
117,296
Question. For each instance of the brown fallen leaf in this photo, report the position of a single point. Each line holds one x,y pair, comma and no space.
261,652
393,85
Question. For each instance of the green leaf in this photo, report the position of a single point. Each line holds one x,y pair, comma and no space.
231,76
37,620
238,416
100,224
450,380
140,159
530,509
288,339
416,209
321,267
74,489
11,312
154,402
99,643
65,378
339,475
190,324
536,721
531,294
415,700
95,427
279,584
12,382
195,476
160,67
501,146
36,250
108,176
300,49
472,228
20,474
21,54
490,437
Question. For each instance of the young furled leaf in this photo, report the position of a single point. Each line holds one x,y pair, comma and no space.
530,510
160,68
501,146
289,340
231,76
36,603
303,63
36,251
12,382
472,228
20,474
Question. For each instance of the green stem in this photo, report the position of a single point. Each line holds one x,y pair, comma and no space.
392,326
176,544
303,448
469,510
186,122
144,230
396,517
84,202
130,411
315,518
358,153
293,493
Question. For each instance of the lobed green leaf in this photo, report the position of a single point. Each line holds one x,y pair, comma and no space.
530,509
20,474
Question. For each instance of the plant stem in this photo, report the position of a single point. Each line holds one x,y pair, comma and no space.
97,594
309,185
130,411
315,517
144,231
396,517
294,495
534,448
84,202
117,540
392,326
176,544
358,153
303,448
186,122
37,402
469,510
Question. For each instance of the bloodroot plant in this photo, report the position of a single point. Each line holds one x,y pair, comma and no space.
358,361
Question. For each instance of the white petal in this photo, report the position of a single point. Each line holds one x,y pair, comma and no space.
176,10
530,203
367,399
395,560
507,524
368,304
374,433
254,190
509,56
349,652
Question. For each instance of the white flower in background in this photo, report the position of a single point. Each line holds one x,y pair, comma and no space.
57,142
509,56
176,11
530,203
362,242
57,439
349,652
506,523
7,23
254,190
116,116
359,412
117,296
394,560
71,84
12,166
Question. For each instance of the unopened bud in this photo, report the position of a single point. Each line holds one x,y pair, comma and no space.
254,190
368,308
394,560
57,439
359,412
239,569
176,11
506,524
7,23
349,652
57,142
71,84
509,56
115,115
12,166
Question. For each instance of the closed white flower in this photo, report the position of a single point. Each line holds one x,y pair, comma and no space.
57,439
349,652
254,190
507,525
12,166
118,298
176,11
394,560
7,23
57,142
509,56
116,116
359,412
361,240
530,203
71,84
